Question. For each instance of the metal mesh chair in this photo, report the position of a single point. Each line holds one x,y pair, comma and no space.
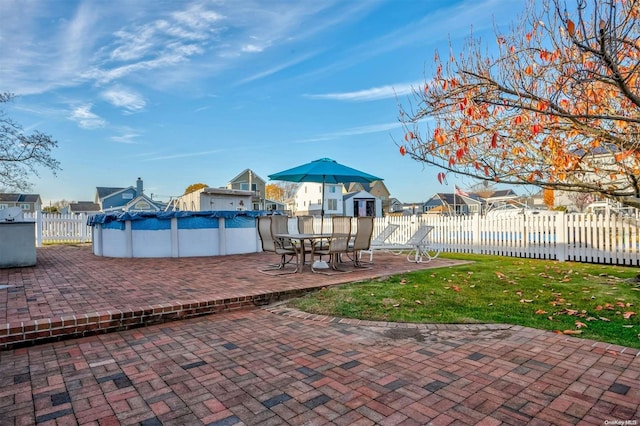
338,243
268,227
362,239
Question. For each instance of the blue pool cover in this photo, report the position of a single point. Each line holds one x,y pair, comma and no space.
105,218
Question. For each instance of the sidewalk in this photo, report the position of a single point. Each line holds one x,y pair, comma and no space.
270,365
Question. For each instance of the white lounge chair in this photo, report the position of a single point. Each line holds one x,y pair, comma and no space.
418,245
379,242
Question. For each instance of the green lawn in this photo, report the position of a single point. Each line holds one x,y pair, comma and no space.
592,301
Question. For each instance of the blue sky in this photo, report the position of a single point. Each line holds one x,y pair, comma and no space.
179,92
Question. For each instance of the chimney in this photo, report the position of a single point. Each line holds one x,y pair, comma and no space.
138,187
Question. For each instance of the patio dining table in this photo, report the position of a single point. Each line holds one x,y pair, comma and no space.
301,238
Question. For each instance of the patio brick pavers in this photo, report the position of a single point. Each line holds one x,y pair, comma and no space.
270,365
72,292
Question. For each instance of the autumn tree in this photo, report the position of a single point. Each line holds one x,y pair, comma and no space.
195,187
281,191
548,198
274,192
21,155
581,199
557,105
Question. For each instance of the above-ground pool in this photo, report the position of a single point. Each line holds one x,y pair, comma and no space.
175,234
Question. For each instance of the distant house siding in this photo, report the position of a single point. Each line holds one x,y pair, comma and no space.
119,199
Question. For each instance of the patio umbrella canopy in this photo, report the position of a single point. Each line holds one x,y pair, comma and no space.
324,170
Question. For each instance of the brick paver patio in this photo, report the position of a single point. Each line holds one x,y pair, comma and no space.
266,364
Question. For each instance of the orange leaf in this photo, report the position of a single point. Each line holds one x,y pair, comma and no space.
571,27
403,151
528,70
540,312
628,315
456,288
580,324
570,332
494,140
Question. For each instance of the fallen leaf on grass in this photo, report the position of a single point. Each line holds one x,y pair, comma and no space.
628,315
572,332
580,324
604,319
540,312
456,288
526,300
418,302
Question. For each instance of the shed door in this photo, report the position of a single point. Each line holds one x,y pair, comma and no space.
364,207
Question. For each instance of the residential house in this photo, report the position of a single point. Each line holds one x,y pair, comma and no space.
308,199
88,207
126,199
462,203
27,202
452,204
376,188
248,180
395,206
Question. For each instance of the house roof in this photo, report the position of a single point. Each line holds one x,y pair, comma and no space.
245,171
367,186
85,206
19,198
105,191
356,193
503,193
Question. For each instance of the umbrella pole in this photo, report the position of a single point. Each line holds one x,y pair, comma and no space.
321,264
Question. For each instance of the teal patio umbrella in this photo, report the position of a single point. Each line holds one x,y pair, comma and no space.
323,170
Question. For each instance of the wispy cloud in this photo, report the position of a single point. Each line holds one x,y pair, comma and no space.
122,97
372,94
87,119
354,131
126,138
184,155
278,68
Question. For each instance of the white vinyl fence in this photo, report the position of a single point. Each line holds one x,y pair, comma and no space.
576,237
60,228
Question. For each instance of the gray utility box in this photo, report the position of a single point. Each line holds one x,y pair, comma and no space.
17,241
